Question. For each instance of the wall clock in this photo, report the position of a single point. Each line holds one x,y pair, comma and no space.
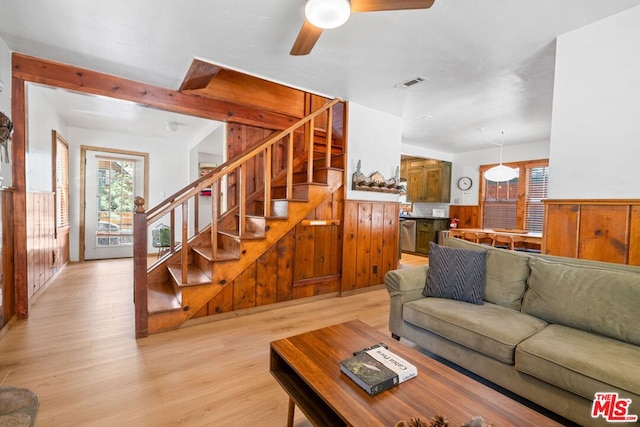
465,183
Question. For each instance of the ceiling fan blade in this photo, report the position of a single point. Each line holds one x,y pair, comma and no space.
381,5
307,38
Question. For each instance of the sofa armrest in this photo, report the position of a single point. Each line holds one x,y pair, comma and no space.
403,285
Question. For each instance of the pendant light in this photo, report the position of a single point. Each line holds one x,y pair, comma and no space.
501,172
327,14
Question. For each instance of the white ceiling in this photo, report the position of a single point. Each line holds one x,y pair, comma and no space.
487,64
113,115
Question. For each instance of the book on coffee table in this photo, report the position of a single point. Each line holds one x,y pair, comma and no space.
377,369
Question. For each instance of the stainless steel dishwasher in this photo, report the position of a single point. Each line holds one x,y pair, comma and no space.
408,235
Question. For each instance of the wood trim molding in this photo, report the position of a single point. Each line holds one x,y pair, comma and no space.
625,202
30,69
598,229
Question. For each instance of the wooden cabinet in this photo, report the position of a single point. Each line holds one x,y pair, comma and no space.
427,231
427,180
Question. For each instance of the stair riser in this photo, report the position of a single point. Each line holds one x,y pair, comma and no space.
203,263
337,161
229,244
300,192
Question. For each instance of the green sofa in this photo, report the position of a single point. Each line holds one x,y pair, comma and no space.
552,330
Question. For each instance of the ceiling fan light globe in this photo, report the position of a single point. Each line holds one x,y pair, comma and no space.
327,14
501,173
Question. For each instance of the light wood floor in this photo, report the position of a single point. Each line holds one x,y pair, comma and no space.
77,352
410,260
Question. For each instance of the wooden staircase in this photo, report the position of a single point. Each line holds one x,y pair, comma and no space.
192,273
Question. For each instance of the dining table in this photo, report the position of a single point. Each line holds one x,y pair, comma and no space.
522,235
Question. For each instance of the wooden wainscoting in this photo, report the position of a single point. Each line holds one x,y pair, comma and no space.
306,262
370,243
602,230
46,251
468,216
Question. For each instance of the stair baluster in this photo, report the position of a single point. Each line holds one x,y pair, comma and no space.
223,227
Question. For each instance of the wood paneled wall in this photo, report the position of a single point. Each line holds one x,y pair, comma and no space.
29,69
370,246
306,262
468,216
602,230
46,253
211,81
7,294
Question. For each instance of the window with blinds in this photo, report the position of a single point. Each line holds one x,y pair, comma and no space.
537,180
61,172
519,203
500,204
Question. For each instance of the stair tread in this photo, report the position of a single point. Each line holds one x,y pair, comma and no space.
221,255
247,235
195,276
161,298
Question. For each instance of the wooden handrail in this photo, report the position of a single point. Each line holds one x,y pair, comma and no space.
226,168
181,199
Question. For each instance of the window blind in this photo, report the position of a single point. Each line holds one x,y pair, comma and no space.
537,182
62,183
500,204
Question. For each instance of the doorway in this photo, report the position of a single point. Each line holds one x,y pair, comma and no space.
111,180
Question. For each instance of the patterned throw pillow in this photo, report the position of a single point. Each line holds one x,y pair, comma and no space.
454,273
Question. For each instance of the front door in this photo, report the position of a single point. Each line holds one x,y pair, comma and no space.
112,181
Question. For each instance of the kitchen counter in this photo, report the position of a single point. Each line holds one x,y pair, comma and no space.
418,231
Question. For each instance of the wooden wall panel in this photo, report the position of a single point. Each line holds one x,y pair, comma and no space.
370,243
295,267
363,254
350,245
285,266
322,245
377,242
337,209
390,238
244,289
7,293
602,230
468,216
222,303
603,233
46,254
229,85
304,251
267,277
560,234
634,236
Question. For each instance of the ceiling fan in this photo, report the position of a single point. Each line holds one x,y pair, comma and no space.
326,14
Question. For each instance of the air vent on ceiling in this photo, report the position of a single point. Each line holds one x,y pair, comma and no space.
411,82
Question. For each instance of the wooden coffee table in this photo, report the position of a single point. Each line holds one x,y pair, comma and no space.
307,367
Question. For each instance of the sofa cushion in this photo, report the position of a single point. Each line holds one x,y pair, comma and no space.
592,298
489,329
506,276
581,362
455,273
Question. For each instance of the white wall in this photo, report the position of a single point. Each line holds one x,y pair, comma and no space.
595,134
5,78
5,102
168,168
42,118
374,138
212,149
